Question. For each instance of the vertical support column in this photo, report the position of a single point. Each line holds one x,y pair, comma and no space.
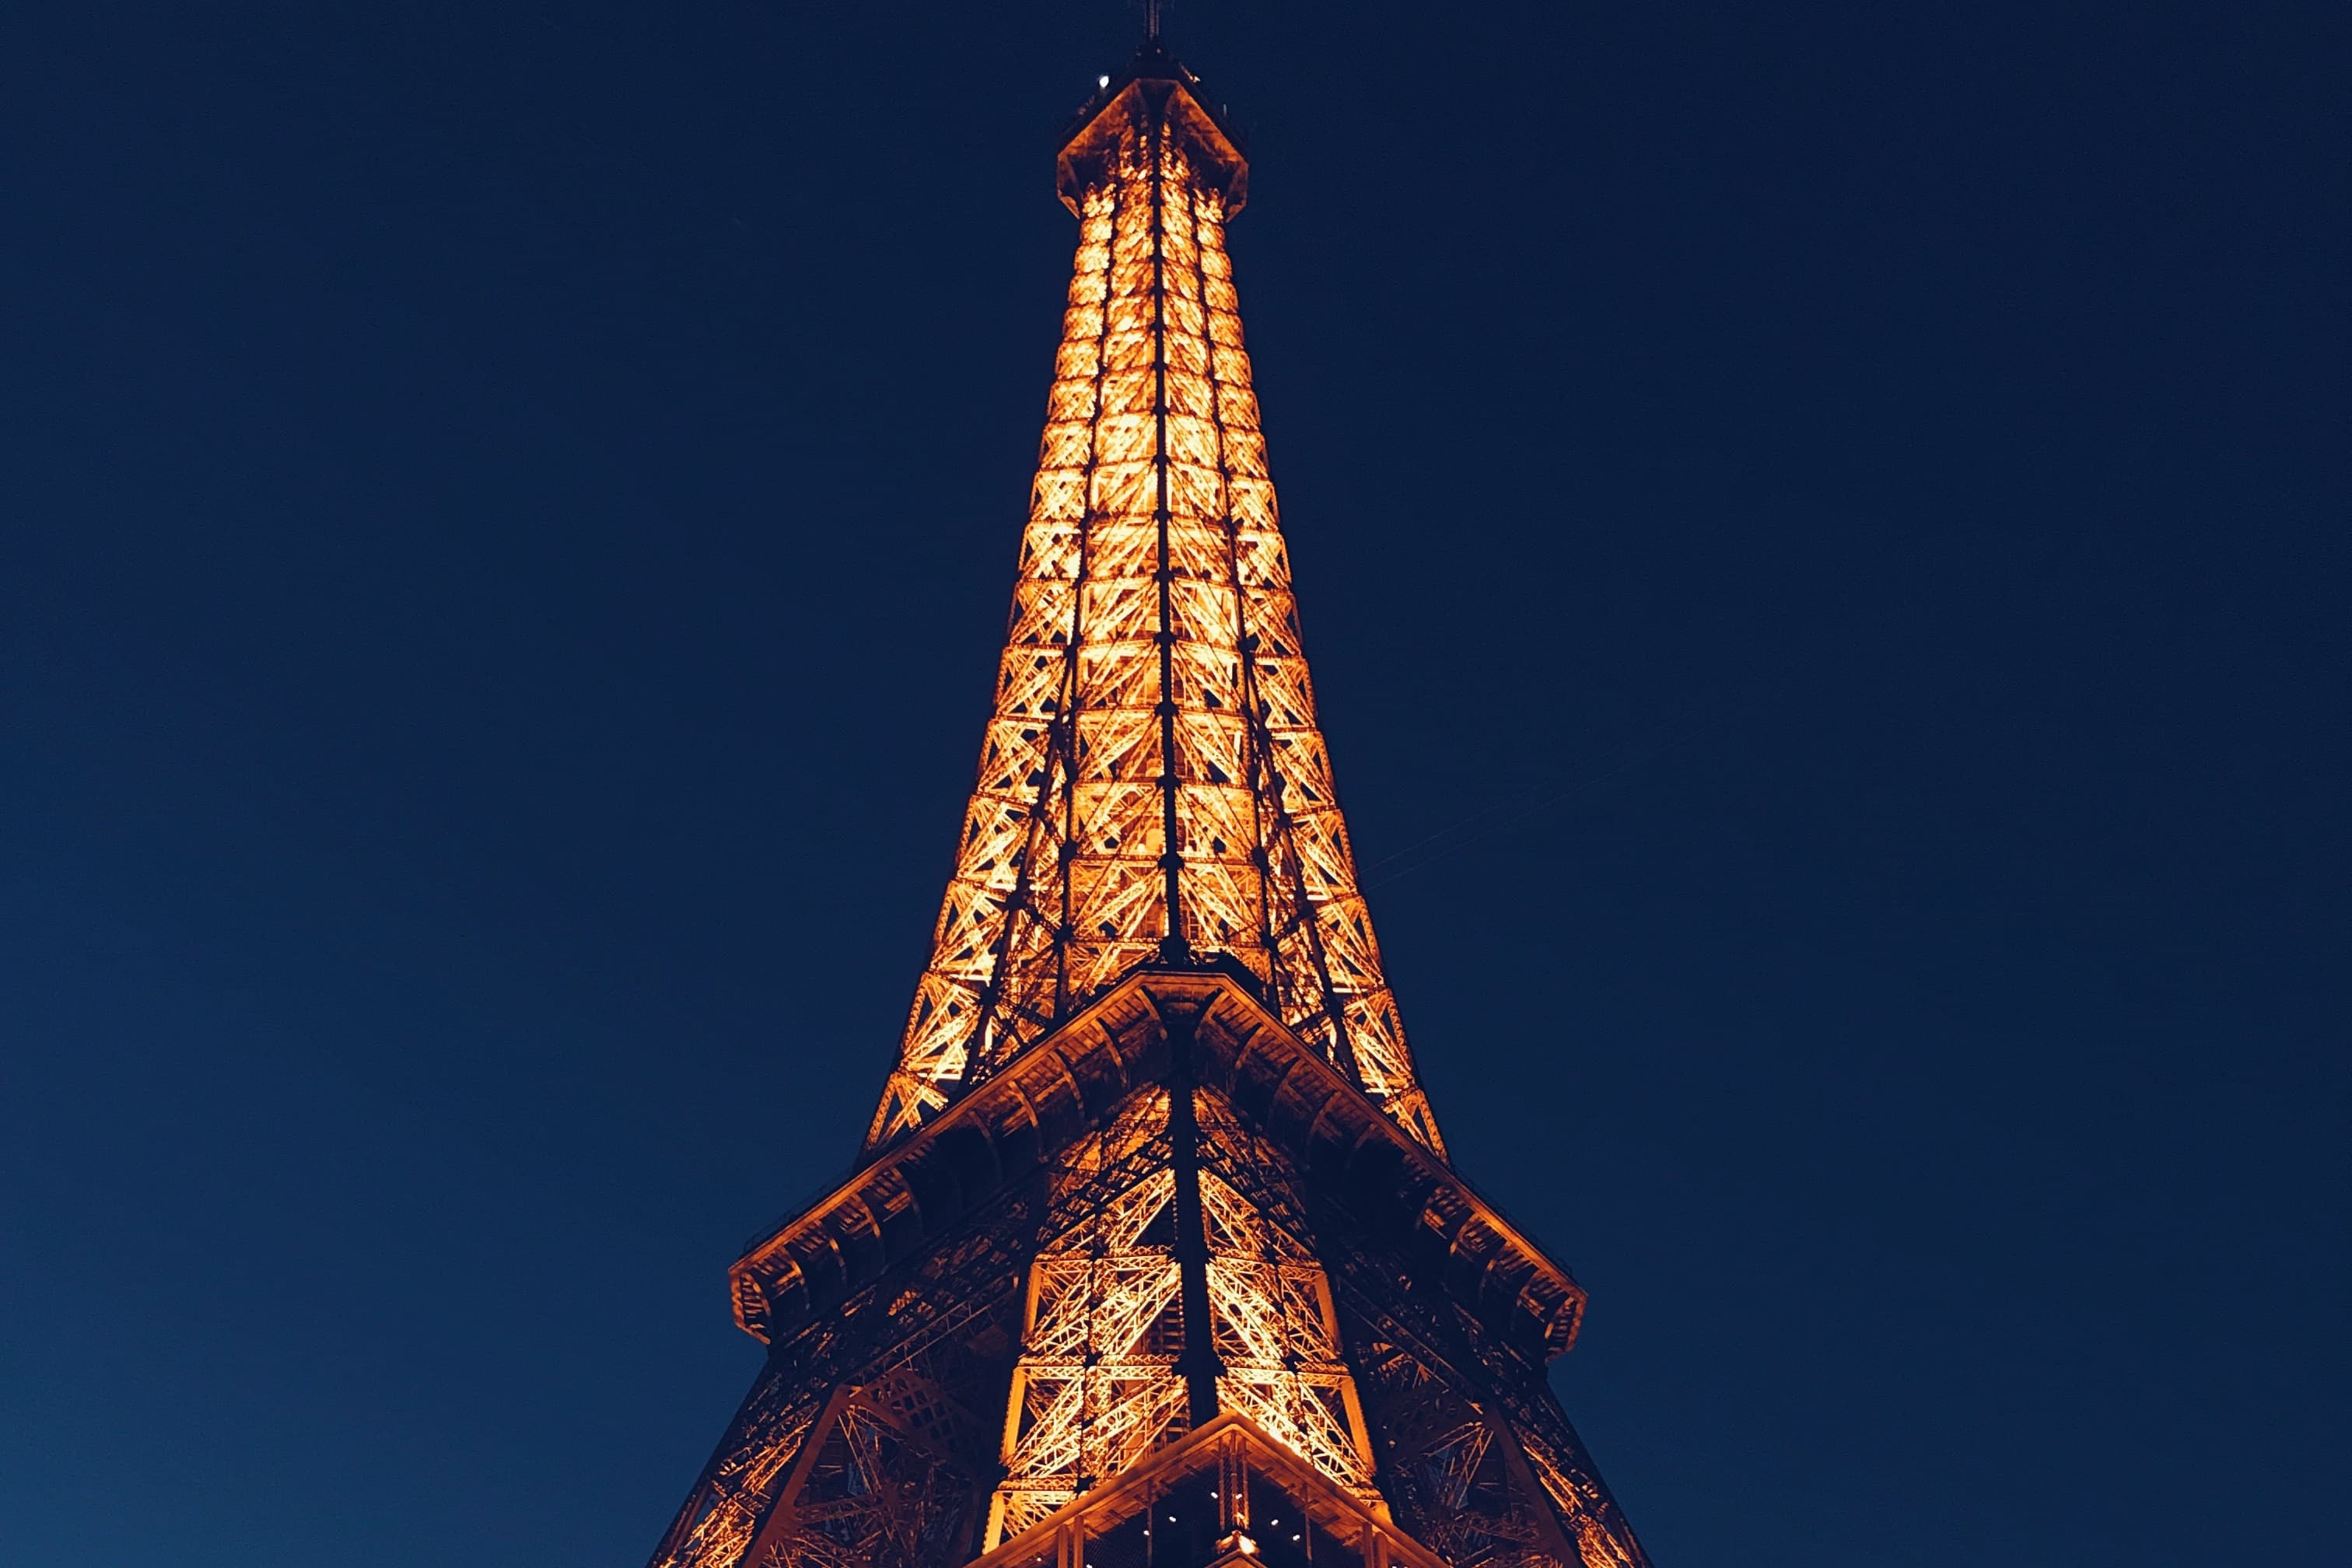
1198,1362
1233,1488
1175,947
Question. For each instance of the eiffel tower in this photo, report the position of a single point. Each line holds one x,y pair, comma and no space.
1153,1256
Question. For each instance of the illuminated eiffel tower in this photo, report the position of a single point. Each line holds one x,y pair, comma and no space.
1153,1258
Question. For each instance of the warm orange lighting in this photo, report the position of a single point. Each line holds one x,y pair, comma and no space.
1096,1390
1153,782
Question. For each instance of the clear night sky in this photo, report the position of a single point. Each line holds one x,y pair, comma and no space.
509,512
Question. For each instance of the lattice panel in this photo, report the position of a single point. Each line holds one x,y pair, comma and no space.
874,1491
1096,1388
1153,769
924,1354
1278,1339
1479,1457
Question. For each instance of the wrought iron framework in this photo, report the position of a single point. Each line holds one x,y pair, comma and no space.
1153,782
1154,1259
1108,1370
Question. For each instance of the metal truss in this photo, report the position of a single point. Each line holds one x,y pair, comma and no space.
1473,1448
1028,1318
1476,1451
1097,1387
1100,1384
863,1437
1152,781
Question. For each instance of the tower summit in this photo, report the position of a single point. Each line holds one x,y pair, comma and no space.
1153,1258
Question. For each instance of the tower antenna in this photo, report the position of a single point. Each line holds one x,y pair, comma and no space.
1151,21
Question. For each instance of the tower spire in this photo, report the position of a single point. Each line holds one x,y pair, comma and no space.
1151,21
1153,787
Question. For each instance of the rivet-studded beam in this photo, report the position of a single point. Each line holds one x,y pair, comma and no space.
1153,784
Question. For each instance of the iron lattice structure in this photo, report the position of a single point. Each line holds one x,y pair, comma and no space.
1152,781
1154,1259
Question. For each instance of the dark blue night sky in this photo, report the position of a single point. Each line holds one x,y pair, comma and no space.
506,513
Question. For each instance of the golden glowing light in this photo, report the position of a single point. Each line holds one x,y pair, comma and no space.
1096,1388
1153,780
